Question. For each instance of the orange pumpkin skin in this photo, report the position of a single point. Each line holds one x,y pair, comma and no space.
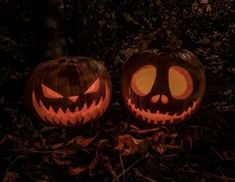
69,91
162,87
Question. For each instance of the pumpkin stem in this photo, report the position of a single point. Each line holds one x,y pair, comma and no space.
49,21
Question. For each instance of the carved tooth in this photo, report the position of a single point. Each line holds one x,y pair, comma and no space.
50,114
99,105
194,106
51,111
149,120
68,111
158,112
143,117
189,110
61,116
60,112
133,107
171,120
129,101
84,108
175,116
148,110
137,111
76,109
93,104
183,115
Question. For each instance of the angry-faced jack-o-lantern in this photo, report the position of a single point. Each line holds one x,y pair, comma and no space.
163,87
69,91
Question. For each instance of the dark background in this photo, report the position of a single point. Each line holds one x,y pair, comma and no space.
201,149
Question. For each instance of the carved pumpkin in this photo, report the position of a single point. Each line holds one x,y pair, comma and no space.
69,91
162,87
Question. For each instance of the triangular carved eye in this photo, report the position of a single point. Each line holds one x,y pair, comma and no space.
143,80
49,93
94,87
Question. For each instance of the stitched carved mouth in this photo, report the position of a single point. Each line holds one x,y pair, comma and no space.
158,117
83,115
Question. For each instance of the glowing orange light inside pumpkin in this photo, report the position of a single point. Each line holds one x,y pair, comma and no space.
73,98
180,82
94,87
143,79
164,99
64,117
49,93
155,98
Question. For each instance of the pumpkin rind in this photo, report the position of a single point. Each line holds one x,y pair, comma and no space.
58,91
159,105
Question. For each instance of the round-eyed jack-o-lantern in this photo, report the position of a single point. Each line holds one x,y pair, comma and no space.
69,91
161,87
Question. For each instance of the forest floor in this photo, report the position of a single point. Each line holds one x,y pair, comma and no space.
114,148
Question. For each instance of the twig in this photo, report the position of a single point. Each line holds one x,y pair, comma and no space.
3,140
132,165
148,178
140,131
217,153
223,178
36,151
12,162
123,169
139,174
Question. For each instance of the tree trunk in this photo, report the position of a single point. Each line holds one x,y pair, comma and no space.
49,23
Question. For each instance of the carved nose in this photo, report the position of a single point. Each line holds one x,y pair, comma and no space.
156,98
73,98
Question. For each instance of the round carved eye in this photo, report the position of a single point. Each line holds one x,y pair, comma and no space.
49,93
180,82
143,79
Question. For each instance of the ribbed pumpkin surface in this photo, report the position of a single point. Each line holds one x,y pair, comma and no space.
69,91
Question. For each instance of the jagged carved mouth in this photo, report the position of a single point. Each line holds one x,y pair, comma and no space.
158,117
67,117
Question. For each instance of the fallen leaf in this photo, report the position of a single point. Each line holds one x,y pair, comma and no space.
129,145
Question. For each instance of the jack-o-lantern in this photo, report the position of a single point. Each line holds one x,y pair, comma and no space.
69,91
162,87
